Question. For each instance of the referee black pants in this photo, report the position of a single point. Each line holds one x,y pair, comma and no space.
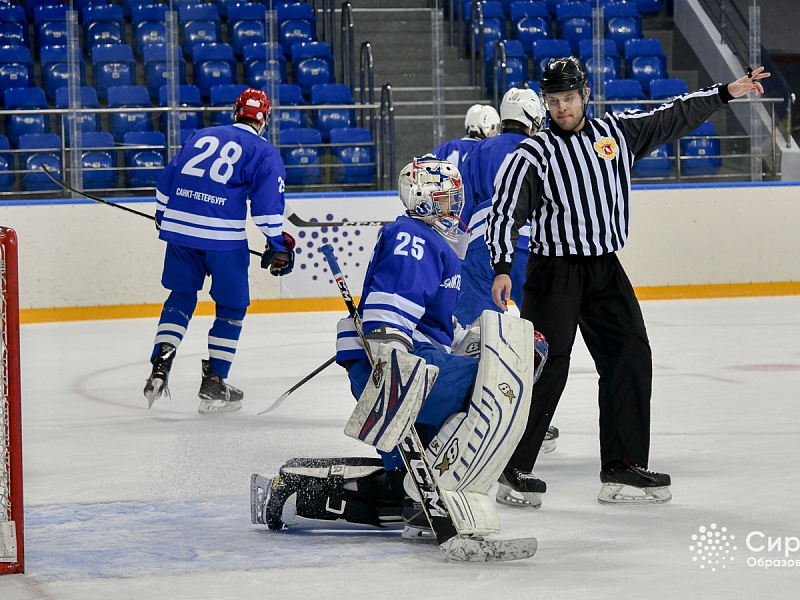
593,293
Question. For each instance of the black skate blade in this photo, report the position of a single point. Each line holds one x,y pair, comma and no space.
466,549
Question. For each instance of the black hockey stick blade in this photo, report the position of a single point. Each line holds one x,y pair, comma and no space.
305,379
88,196
299,222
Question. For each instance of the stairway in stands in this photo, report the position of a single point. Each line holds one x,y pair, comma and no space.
399,32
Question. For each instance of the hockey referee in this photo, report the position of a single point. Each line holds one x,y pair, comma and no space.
573,182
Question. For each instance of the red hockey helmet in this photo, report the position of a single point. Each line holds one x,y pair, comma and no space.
253,104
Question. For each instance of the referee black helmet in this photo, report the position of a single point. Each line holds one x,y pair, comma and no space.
563,75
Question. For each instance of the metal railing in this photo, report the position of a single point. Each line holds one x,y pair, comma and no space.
21,163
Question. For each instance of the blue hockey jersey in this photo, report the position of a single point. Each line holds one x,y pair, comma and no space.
412,283
201,196
455,151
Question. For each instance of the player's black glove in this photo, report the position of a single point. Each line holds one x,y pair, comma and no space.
279,263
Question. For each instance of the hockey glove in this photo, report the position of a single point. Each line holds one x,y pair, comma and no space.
282,262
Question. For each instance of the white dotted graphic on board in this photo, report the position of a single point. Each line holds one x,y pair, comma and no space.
346,241
712,546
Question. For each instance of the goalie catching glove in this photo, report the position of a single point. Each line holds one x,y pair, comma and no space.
279,262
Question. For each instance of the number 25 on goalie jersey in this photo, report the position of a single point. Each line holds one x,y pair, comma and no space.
412,283
202,193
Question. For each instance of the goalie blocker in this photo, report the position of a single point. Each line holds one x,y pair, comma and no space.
468,453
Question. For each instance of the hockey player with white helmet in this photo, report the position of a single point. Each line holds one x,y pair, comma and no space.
470,400
481,122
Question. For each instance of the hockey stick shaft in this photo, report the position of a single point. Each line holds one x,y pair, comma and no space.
89,196
299,222
420,469
305,379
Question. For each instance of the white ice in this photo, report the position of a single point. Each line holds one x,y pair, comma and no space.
124,502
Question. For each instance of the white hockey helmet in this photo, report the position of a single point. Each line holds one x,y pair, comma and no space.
432,192
482,121
524,106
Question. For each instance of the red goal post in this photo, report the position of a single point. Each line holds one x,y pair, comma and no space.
11,519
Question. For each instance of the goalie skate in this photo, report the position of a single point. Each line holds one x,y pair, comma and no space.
626,483
518,488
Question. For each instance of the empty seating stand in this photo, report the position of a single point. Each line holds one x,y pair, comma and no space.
224,96
149,24
156,68
30,121
99,157
263,63
312,63
301,150
331,93
129,96
290,94
355,154
54,63
246,25
188,96
645,60
16,67
88,122
40,149
213,64
145,156
112,65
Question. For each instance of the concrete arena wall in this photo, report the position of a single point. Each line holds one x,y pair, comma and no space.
82,255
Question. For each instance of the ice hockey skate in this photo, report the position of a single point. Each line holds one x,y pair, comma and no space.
415,524
217,396
157,382
626,483
519,488
549,443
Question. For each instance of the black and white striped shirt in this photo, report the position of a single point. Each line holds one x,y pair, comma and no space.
575,188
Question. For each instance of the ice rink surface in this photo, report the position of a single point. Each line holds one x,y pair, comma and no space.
125,502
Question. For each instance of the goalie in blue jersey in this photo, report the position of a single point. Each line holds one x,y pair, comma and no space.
201,212
466,391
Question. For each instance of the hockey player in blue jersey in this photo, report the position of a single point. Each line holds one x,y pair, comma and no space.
201,211
522,114
481,122
467,394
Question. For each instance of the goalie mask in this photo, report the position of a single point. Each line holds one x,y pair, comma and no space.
254,105
432,192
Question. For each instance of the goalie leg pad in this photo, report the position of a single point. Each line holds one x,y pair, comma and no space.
392,398
318,491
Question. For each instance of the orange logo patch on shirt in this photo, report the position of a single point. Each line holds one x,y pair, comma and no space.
606,148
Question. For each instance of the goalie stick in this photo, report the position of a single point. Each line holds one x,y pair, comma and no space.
453,546
305,379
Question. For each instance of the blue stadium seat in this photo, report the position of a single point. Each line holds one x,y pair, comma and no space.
700,154
6,166
574,22
213,64
530,21
659,163
645,60
50,25
516,71
544,50
13,26
199,24
356,159
188,95
42,149
649,7
623,22
624,89
246,25
16,67
144,165
668,88
331,93
154,60
494,23
89,121
610,66
149,24
54,62
224,6
25,99
290,94
79,5
224,95
103,24
112,65
301,151
296,24
263,63
99,160
312,63
129,96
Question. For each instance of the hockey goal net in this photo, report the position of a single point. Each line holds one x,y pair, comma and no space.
11,546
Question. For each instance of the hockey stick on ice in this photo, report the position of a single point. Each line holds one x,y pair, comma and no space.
454,546
88,196
305,379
